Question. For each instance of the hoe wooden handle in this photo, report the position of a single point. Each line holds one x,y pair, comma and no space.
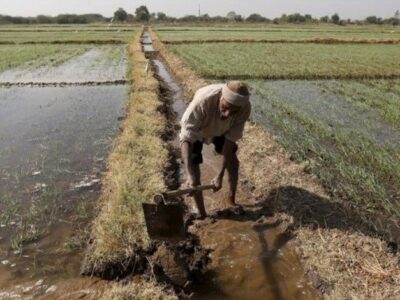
182,192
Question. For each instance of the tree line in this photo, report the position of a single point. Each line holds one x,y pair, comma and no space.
143,15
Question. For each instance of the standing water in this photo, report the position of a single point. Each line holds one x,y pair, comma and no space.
54,144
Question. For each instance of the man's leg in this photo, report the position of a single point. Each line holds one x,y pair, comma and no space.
233,176
193,160
230,162
198,196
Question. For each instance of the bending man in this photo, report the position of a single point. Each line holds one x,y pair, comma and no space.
216,115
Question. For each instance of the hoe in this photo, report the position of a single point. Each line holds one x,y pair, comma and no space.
164,217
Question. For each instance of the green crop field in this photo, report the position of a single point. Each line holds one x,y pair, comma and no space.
272,61
32,56
76,35
350,144
273,33
67,27
381,95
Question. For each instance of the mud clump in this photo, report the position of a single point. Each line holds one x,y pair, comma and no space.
116,270
180,264
177,265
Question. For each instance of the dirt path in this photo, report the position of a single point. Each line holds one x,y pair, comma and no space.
251,253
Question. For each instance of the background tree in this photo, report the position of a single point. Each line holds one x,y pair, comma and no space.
231,16
42,19
161,16
335,18
283,18
238,18
324,19
373,20
255,18
120,15
130,18
397,15
204,18
142,14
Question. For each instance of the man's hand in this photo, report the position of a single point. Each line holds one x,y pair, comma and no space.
217,182
190,182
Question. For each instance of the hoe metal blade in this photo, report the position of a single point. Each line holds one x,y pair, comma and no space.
164,221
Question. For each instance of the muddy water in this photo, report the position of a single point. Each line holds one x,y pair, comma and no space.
106,63
251,258
53,148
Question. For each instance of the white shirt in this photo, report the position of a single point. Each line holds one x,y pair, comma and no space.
202,119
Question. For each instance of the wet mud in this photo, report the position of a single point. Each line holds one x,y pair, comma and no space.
250,252
98,64
54,143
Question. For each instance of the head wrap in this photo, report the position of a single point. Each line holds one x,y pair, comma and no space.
234,98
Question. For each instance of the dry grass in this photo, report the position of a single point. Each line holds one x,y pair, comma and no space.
135,173
142,290
341,256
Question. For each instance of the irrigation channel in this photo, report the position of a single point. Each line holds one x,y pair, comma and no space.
54,143
250,253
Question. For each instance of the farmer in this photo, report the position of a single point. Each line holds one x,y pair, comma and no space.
216,115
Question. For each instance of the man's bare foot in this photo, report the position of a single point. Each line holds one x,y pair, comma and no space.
230,202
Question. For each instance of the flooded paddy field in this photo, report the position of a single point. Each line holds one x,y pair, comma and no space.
17,35
348,138
54,145
75,64
13,56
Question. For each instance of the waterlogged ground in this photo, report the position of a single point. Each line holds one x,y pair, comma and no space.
34,56
348,133
54,144
316,101
104,63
